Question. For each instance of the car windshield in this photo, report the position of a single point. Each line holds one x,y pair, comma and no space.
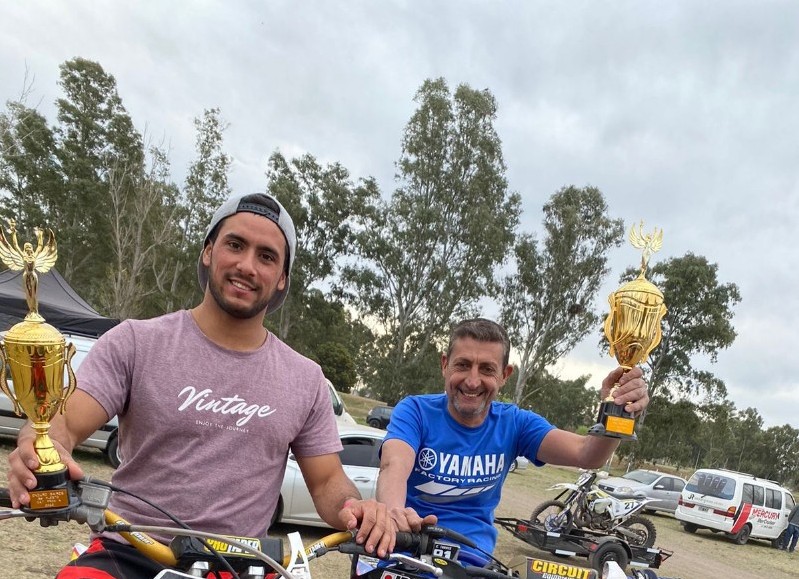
641,476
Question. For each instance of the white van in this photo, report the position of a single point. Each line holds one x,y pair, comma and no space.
735,503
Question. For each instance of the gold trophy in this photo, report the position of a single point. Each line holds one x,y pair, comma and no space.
633,330
36,354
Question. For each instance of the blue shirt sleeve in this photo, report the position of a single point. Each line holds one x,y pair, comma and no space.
532,430
406,423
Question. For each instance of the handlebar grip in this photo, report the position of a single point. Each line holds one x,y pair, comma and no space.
5,498
407,541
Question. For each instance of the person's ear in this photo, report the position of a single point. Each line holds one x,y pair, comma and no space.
207,253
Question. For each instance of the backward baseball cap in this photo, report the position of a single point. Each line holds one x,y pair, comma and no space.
260,204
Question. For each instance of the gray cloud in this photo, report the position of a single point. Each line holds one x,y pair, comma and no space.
682,113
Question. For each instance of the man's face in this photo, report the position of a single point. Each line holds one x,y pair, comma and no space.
473,375
245,264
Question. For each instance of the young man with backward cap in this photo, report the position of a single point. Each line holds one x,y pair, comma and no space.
210,404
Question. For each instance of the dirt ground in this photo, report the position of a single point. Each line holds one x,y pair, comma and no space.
34,552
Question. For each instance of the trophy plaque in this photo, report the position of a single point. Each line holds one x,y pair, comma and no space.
633,331
36,354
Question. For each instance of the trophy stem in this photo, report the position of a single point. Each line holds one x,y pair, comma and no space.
49,459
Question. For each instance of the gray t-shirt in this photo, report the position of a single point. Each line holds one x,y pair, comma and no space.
204,431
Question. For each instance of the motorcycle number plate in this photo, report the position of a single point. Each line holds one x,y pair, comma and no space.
445,550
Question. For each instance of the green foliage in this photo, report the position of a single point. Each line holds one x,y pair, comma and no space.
547,304
137,245
569,404
205,188
698,322
338,366
426,256
95,135
326,207
325,331
670,434
28,166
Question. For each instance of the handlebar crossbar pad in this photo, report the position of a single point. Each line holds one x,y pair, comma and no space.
188,550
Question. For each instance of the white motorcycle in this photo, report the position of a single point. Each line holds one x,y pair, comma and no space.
584,506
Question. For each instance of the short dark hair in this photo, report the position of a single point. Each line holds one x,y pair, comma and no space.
482,330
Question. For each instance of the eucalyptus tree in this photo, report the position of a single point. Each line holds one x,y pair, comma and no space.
427,254
205,188
327,208
144,225
698,323
94,133
569,404
547,303
28,166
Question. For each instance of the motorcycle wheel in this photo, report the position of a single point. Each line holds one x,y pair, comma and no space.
644,530
554,516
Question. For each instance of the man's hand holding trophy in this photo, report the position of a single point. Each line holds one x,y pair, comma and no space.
36,354
633,331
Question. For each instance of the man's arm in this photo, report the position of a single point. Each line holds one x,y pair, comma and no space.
82,417
339,503
396,463
568,449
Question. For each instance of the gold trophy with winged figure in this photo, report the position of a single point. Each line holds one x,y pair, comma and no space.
36,355
633,330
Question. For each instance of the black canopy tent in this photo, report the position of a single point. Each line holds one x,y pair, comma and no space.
59,305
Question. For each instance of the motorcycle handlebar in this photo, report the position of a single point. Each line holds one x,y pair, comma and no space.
418,543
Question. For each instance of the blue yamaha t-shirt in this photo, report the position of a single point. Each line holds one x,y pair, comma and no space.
459,471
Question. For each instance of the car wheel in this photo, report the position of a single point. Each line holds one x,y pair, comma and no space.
689,527
742,536
513,466
111,452
373,422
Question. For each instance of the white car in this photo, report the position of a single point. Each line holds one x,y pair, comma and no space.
361,464
664,487
339,409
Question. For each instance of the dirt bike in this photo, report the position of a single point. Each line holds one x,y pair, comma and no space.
584,506
435,552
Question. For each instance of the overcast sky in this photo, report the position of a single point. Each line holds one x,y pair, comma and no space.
684,114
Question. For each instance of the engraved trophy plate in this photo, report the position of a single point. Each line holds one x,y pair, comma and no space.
36,354
633,331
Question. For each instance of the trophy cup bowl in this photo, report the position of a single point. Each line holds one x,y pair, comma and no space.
37,354
633,330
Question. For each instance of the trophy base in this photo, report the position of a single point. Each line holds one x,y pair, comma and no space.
614,422
52,492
